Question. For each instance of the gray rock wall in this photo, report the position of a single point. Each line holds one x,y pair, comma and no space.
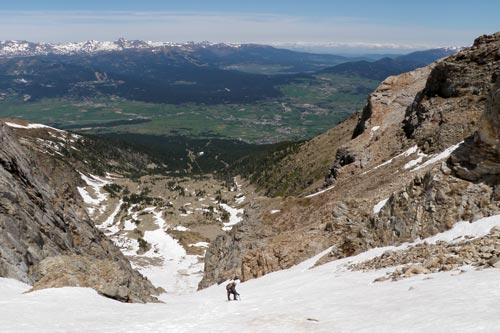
37,224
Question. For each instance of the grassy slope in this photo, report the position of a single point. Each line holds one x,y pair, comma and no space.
303,167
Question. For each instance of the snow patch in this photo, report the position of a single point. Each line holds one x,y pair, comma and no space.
464,229
320,192
95,201
418,160
406,153
460,231
379,205
240,200
234,216
86,197
443,155
179,273
200,244
108,225
32,126
180,228
373,130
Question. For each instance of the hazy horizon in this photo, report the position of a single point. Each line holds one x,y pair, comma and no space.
343,27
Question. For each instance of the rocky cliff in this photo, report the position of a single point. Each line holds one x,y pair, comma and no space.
418,158
48,241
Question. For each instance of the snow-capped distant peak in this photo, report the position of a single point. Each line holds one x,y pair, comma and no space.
12,48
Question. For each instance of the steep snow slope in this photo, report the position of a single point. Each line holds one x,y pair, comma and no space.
324,299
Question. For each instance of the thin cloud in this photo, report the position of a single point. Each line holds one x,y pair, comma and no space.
59,26
368,45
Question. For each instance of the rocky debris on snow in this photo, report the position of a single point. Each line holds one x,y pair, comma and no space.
426,258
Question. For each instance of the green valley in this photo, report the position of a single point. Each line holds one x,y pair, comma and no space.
308,106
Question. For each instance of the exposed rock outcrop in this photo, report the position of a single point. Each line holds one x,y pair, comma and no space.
449,107
432,203
38,226
489,129
447,111
342,158
478,160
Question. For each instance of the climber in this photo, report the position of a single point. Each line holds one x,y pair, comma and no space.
231,289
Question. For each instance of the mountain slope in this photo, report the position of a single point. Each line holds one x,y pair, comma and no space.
310,167
160,220
382,68
387,182
133,75
47,241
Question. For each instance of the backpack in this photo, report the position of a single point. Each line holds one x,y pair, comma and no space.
229,286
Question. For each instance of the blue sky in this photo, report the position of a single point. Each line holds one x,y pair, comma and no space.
402,23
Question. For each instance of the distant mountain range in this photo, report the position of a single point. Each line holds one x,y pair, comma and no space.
382,68
24,48
233,56
255,58
163,72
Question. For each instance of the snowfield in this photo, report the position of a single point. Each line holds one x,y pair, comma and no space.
328,298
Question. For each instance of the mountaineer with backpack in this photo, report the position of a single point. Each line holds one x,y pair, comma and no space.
231,289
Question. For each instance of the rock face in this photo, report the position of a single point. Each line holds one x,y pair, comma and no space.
448,110
257,246
479,159
432,203
457,89
489,130
417,159
38,228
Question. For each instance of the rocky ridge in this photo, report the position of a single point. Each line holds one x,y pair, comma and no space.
398,172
